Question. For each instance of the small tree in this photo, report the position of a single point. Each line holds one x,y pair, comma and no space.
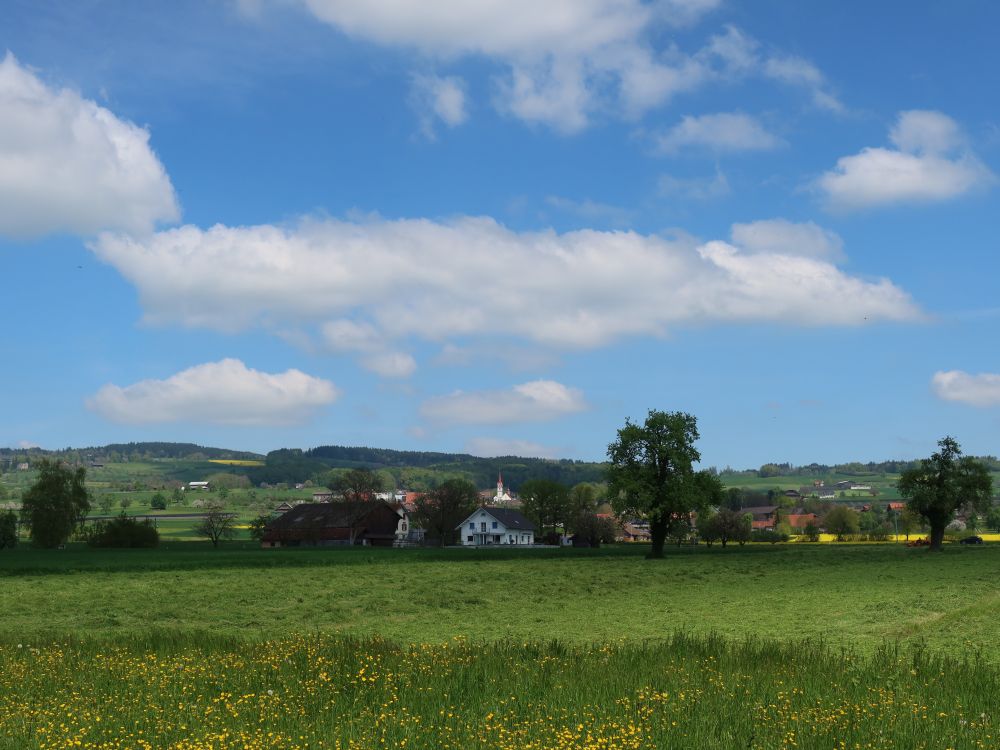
216,525
105,502
943,484
158,501
8,530
125,502
811,531
441,510
357,485
993,518
258,526
841,520
708,527
56,504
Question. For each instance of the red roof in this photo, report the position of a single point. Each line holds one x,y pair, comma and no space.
799,520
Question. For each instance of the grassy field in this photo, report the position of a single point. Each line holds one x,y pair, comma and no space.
853,595
797,646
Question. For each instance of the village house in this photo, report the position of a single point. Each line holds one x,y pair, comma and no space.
376,524
489,526
634,531
764,516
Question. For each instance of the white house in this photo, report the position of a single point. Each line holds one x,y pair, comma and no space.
496,526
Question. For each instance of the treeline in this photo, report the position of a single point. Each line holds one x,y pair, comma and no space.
851,469
417,470
118,452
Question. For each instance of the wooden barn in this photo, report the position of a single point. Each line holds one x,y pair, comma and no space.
375,523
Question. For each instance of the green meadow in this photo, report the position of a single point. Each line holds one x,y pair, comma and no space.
853,595
795,646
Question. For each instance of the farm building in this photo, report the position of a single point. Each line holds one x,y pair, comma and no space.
326,524
488,526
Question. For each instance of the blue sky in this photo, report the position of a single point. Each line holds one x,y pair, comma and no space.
501,227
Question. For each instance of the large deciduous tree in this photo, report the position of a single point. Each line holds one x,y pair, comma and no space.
547,503
56,504
651,474
940,486
441,510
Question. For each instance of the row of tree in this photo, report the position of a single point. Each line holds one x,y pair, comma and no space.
652,474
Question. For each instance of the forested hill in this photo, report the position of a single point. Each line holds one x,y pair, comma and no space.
413,468
116,452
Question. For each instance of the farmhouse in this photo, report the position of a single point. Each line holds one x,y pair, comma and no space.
375,524
197,486
489,526
764,516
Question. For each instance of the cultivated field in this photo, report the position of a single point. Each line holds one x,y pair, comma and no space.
808,646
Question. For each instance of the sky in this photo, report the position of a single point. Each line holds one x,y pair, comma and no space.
501,227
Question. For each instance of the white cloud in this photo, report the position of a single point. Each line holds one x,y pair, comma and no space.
562,61
787,238
536,401
439,99
976,390
926,132
69,165
683,12
722,132
390,364
396,280
796,71
696,188
364,339
225,392
489,447
929,164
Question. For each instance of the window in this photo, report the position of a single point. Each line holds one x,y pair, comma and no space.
469,538
495,525
472,526
482,526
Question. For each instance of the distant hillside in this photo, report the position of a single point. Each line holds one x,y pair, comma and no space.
117,452
420,469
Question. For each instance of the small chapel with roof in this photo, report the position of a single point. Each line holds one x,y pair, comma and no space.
502,497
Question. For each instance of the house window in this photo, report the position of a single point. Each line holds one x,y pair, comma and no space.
472,526
495,525
469,538
482,526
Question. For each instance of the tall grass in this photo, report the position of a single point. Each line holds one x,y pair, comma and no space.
170,691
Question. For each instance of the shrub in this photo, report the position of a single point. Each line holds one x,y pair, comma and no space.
8,529
158,502
768,535
124,531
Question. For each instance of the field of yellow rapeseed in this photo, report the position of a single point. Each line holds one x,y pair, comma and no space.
203,693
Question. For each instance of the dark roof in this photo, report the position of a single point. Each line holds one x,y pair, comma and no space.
512,519
759,510
334,521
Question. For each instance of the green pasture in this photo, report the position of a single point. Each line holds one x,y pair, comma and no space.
804,647
856,595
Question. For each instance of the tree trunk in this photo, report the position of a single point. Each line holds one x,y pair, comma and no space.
657,535
937,536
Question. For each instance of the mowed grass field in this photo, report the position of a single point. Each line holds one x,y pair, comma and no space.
797,646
